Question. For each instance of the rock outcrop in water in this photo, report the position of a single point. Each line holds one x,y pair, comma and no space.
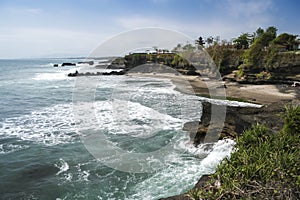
68,64
87,62
237,120
96,74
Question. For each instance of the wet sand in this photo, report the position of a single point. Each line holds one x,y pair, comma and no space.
261,94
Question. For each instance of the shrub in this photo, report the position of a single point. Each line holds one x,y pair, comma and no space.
240,72
264,165
292,119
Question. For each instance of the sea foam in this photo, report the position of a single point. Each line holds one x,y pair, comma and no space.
48,126
183,174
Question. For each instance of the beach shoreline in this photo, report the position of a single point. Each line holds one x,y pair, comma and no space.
272,97
264,94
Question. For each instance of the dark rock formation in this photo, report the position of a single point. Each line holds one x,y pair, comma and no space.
237,120
97,74
55,65
118,63
68,64
114,66
114,73
286,74
86,62
73,74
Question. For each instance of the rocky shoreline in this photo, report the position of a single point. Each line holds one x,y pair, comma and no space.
272,97
272,93
237,120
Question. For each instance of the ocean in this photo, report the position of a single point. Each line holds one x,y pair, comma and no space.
42,151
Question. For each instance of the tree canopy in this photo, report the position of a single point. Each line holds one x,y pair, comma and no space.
288,41
243,41
200,42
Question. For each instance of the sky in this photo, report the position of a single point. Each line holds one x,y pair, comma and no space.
59,28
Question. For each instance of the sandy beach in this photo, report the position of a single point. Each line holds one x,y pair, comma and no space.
261,94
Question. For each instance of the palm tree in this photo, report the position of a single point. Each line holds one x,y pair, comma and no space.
200,42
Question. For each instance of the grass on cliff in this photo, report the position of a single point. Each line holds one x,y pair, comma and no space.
264,165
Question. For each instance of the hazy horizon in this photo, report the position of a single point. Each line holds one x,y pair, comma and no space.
34,29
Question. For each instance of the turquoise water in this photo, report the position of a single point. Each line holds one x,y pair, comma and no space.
42,155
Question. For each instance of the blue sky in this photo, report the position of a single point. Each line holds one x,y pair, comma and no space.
36,28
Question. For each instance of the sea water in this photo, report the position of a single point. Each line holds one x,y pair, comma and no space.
42,155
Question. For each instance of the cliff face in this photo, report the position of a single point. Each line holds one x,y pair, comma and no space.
279,75
283,68
237,120
155,61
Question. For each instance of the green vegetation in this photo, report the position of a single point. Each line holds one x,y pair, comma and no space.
173,60
261,54
240,72
265,165
243,41
263,75
292,120
225,56
255,55
266,46
261,51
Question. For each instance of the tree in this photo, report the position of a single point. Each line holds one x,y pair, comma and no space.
264,40
243,41
269,34
256,34
259,32
272,30
257,53
209,40
200,42
177,49
288,41
217,40
266,37
188,47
